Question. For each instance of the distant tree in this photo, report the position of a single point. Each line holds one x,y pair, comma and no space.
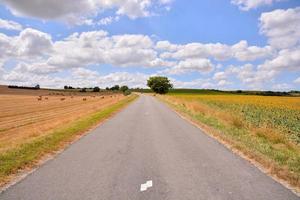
66,87
124,88
37,86
107,88
159,84
116,87
83,90
96,89
127,92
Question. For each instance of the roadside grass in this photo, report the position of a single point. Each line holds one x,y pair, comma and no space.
274,146
28,155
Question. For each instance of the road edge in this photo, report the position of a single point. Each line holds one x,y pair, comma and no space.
208,131
22,174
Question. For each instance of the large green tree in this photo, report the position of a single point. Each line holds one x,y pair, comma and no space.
159,84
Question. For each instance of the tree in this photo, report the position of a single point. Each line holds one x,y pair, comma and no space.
96,89
159,84
37,87
83,90
116,87
124,88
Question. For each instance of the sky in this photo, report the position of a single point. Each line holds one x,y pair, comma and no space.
212,44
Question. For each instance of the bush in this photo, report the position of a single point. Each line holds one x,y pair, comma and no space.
124,88
127,92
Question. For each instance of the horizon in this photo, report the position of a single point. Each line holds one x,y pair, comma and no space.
227,45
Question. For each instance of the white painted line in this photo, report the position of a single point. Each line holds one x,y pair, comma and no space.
146,185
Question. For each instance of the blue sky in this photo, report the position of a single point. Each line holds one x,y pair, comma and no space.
237,44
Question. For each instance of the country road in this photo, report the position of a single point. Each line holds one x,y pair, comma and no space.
147,142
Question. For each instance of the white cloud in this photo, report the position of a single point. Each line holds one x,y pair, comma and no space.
220,76
288,59
297,80
282,27
108,20
80,77
28,44
35,68
10,25
82,73
79,50
77,13
243,52
191,65
282,87
252,77
6,46
197,83
31,42
251,4
166,46
220,52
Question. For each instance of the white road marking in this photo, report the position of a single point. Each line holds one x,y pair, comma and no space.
146,185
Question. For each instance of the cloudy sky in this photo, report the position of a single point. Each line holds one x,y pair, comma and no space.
222,44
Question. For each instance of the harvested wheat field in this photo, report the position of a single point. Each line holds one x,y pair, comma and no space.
34,125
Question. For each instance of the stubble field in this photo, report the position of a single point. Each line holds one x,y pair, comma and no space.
36,123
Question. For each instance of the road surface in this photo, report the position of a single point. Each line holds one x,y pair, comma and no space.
147,147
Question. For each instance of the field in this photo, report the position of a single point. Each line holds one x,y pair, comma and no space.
264,128
34,123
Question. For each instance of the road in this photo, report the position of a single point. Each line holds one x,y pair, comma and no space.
147,142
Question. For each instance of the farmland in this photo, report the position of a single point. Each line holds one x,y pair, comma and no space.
264,128
34,123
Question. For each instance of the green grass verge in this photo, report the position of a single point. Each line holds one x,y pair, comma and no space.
28,154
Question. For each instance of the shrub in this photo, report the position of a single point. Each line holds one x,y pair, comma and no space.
127,92
124,88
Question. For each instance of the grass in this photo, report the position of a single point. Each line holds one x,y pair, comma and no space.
28,154
266,129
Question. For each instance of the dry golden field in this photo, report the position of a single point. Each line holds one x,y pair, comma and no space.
36,123
27,117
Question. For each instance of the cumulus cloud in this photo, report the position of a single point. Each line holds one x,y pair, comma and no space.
196,83
287,59
252,4
32,42
282,27
282,87
252,77
220,52
98,48
80,77
10,25
39,54
297,80
201,65
108,20
77,13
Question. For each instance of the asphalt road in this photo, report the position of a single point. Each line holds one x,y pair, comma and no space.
147,142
